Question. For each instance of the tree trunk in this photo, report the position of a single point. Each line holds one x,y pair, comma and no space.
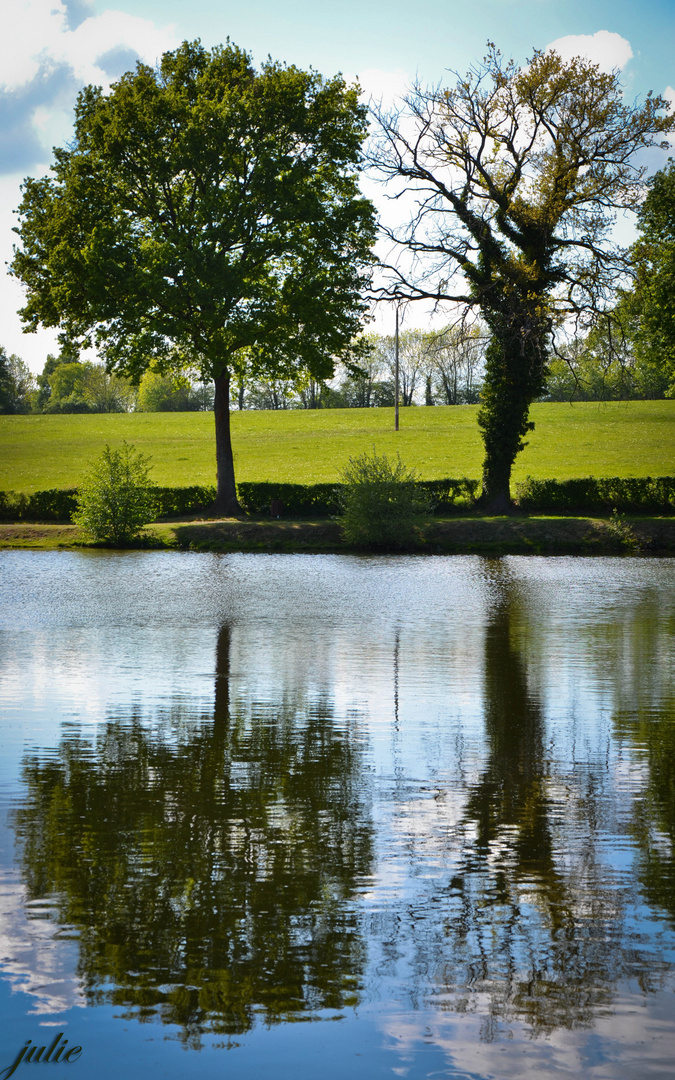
496,495
226,503
514,374
221,705
428,394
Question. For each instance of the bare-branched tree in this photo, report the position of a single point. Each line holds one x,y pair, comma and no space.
456,363
516,175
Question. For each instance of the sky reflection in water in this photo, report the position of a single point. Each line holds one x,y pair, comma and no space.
430,799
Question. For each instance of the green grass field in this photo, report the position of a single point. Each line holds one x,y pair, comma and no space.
634,438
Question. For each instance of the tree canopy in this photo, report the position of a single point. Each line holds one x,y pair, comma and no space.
651,306
517,174
206,215
16,384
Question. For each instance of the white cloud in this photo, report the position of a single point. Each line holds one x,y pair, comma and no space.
113,32
46,55
38,33
607,49
48,50
385,86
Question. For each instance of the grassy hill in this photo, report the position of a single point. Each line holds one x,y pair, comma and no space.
634,438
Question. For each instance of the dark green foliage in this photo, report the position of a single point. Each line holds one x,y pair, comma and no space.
178,501
444,496
16,384
116,499
642,495
381,505
653,302
587,495
448,496
299,500
54,505
623,534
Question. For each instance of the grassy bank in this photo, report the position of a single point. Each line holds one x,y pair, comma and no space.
602,439
545,535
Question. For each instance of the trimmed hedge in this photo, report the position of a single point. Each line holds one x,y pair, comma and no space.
590,494
319,500
645,495
449,495
324,499
301,499
183,500
58,505
55,505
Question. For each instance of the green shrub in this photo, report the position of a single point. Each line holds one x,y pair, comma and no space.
116,499
381,505
620,530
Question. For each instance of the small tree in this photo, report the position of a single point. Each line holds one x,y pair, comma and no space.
381,506
116,500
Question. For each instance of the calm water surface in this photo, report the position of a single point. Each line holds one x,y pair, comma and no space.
321,816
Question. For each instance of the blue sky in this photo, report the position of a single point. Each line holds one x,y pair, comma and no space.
50,48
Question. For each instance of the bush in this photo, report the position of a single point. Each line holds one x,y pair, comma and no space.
381,504
116,499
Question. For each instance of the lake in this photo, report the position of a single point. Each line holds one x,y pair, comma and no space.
281,816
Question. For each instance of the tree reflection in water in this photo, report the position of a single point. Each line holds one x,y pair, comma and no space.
228,871
531,923
208,877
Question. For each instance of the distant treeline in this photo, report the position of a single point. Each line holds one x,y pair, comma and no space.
435,368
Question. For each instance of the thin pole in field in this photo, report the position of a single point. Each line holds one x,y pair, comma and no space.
396,378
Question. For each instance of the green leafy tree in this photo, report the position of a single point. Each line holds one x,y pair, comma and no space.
517,174
650,309
166,393
67,383
604,367
381,505
106,392
17,385
44,379
116,499
205,214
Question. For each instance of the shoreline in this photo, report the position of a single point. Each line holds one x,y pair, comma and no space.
517,535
